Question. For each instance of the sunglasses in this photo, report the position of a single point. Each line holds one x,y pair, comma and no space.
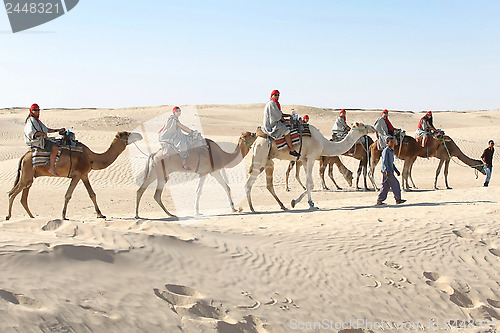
35,110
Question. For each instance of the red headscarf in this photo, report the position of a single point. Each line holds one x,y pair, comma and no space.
305,117
274,99
343,114
34,107
175,109
420,122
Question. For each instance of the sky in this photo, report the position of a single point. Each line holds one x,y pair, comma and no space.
404,55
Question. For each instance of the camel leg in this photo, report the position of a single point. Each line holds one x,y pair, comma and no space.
248,186
410,171
330,174
223,182
13,194
199,189
404,175
92,195
269,181
290,167
218,176
149,179
309,185
297,174
24,200
363,164
259,161
374,158
438,170
69,192
322,167
358,174
446,167
157,196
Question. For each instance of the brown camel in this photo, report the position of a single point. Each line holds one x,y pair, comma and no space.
334,160
441,147
358,151
77,168
201,161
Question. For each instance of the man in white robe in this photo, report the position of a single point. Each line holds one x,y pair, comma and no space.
274,125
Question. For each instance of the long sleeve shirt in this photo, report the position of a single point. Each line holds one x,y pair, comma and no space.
388,160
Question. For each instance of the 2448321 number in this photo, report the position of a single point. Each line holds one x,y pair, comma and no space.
32,8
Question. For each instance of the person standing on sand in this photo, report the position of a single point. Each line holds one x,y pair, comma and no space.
388,179
487,158
274,122
35,135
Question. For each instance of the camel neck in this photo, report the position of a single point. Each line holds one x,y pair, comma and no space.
101,161
452,150
338,148
237,155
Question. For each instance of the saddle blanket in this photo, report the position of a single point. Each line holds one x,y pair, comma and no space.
295,136
168,149
41,157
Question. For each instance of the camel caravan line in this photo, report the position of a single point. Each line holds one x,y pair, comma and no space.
210,159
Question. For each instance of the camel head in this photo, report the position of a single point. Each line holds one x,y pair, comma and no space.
365,129
248,138
128,137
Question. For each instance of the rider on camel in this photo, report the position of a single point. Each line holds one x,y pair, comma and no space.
425,128
384,129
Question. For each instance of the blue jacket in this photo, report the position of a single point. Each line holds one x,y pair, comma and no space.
388,160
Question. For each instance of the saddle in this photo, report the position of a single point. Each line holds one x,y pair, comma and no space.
67,145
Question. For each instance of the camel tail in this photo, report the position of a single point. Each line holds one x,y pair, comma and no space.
147,168
18,174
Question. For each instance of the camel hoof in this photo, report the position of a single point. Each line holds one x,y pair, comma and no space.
293,203
7,218
101,216
284,208
449,188
240,209
287,189
137,217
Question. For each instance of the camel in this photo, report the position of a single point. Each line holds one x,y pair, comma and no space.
441,147
160,166
77,167
312,148
334,160
358,151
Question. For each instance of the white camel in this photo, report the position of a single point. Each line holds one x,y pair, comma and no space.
312,148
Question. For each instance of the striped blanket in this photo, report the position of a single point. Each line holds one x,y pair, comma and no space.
41,157
294,134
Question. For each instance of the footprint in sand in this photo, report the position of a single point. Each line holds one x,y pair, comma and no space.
459,295
20,299
285,303
457,291
495,252
392,264
197,314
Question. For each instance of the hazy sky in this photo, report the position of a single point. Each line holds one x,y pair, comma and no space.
409,55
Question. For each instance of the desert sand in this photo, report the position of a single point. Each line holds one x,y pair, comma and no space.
348,265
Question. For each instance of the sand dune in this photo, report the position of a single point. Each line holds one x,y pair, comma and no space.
433,261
